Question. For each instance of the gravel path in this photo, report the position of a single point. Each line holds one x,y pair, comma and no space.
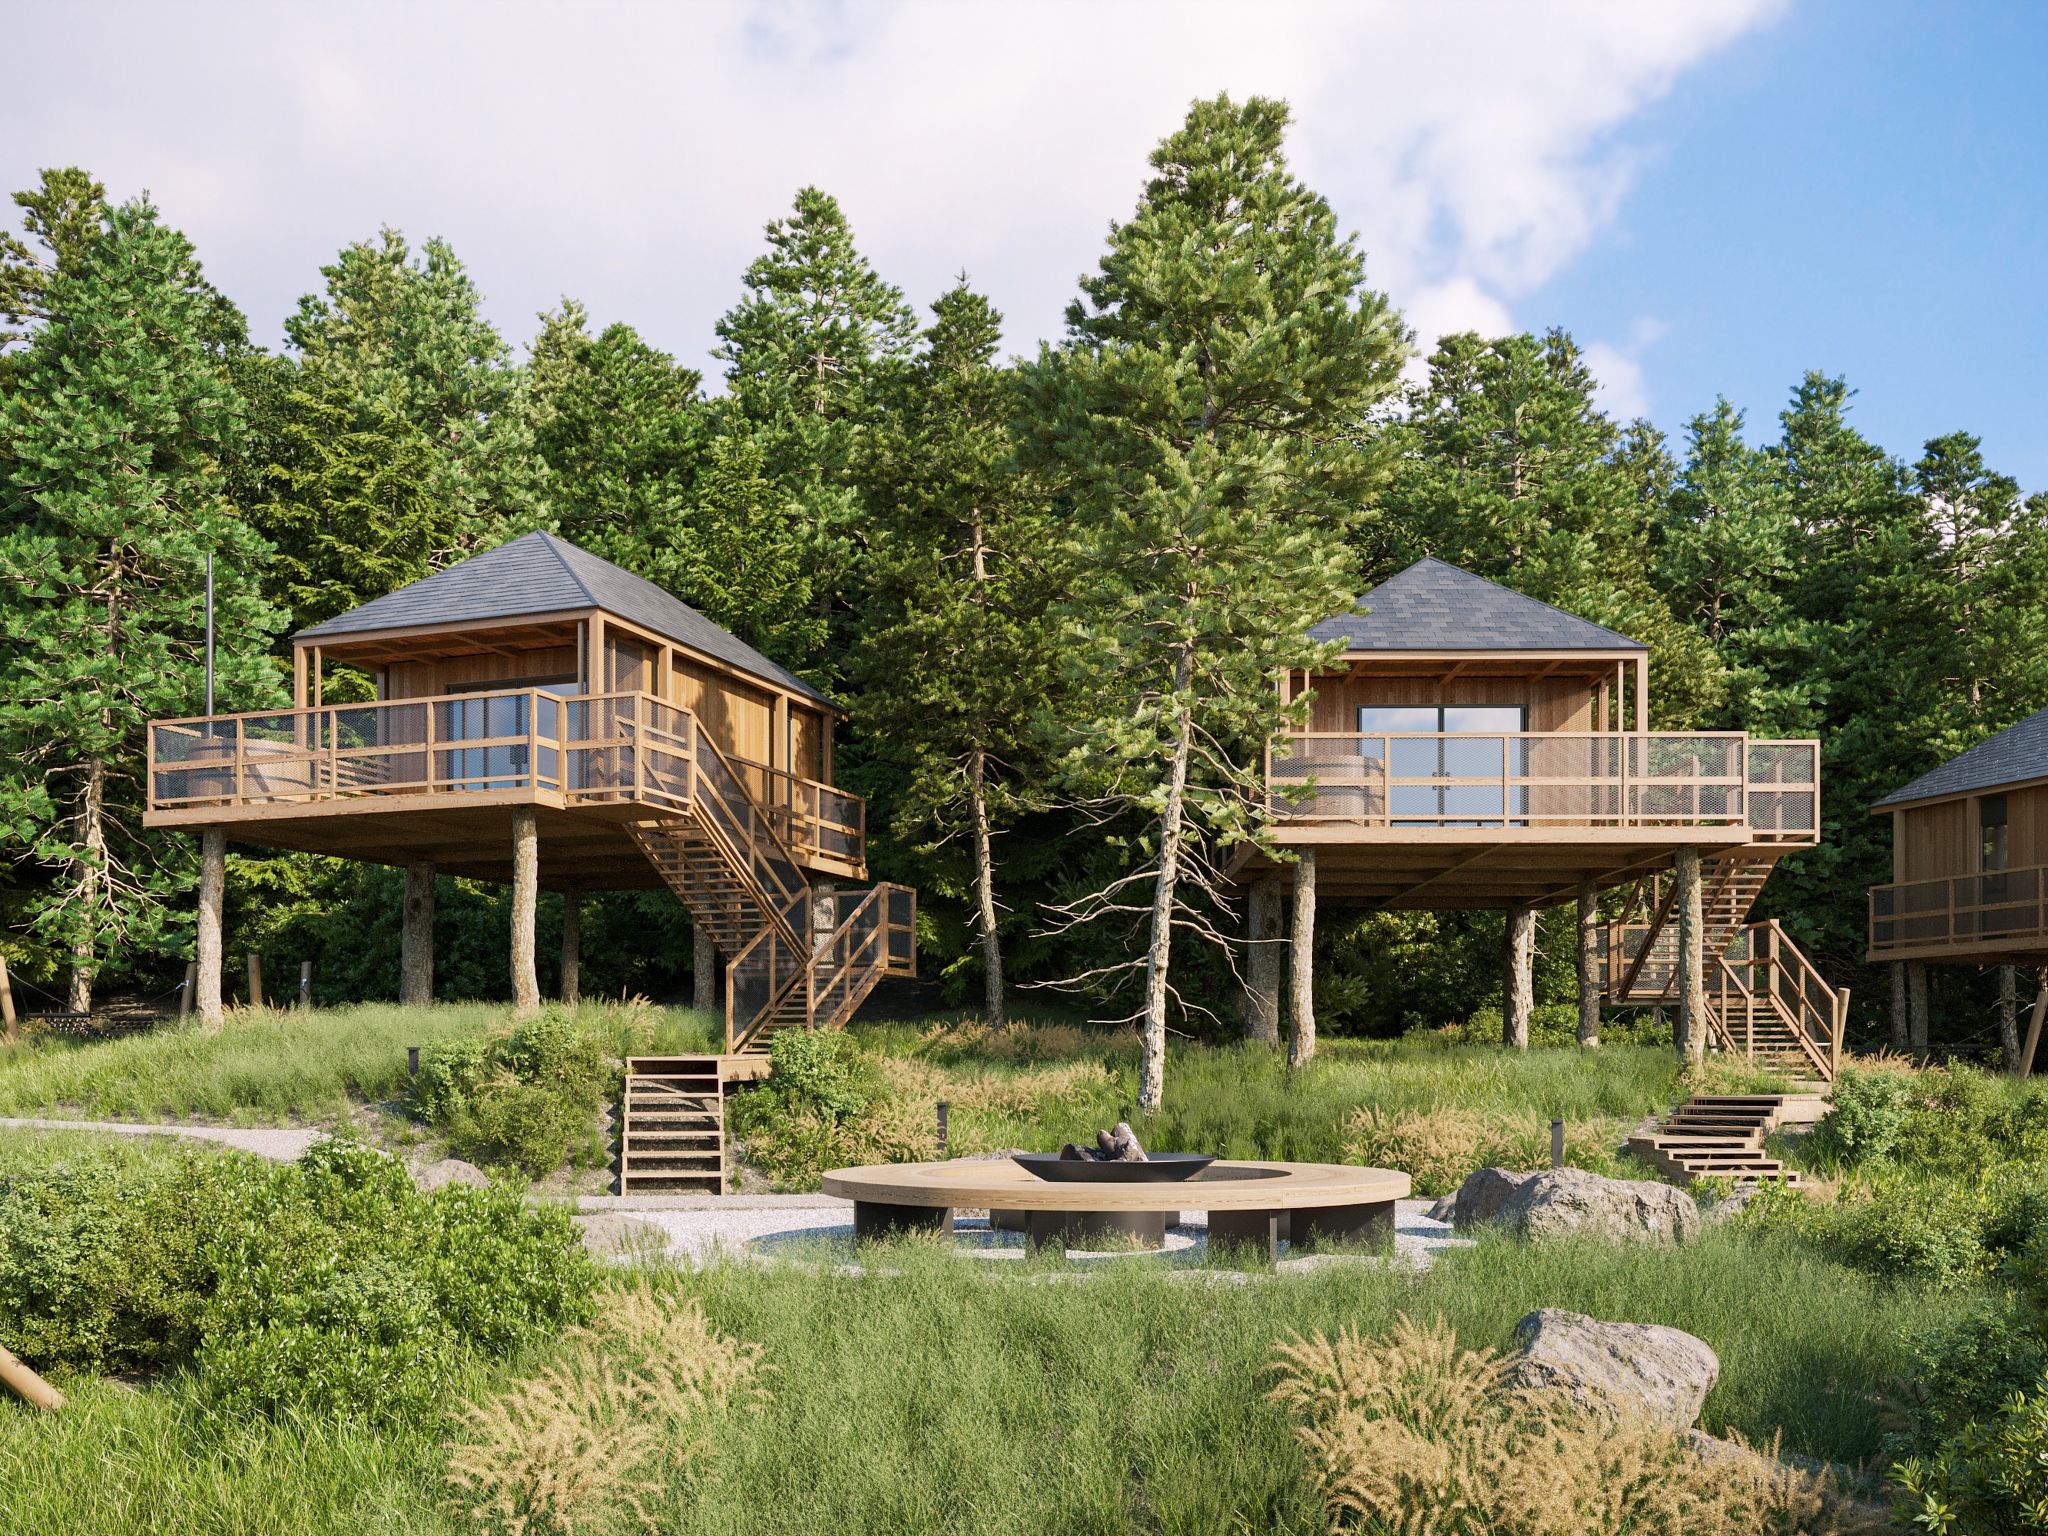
818,1226
282,1145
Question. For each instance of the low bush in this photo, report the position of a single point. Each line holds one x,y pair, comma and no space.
1988,1479
331,1287
528,1095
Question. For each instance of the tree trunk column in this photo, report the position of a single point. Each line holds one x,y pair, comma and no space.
1518,1000
1916,1007
213,879
1262,962
416,937
525,896
1301,998
1589,964
1692,958
2009,1016
703,970
1901,1029
572,947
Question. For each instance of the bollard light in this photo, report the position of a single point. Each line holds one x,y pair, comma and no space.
412,1061
1557,1143
943,1108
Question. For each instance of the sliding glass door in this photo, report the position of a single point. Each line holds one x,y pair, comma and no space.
496,714
1445,743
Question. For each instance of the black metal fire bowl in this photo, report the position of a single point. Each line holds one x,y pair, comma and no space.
1159,1168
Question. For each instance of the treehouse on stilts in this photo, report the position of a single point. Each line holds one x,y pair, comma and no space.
546,719
1475,749
1969,880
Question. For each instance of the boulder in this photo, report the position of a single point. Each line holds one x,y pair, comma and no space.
1484,1195
1566,1200
450,1170
1563,1200
1615,1367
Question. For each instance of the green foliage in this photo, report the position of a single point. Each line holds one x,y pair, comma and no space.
1869,1113
1989,1480
822,1070
526,1095
330,1288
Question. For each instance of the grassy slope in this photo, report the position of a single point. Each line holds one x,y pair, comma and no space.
943,1398
268,1066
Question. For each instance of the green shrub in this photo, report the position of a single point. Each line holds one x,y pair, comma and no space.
331,1287
1968,1366
1988,1479
821,1070
528,1095
1933,1234
1870,1109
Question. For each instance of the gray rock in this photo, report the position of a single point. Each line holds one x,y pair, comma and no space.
1485,1195
1445,1209
1568,1200
450,1170
1615,1367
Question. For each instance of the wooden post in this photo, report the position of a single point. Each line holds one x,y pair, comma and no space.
1900,1035
26,1384
2009,1016
1518,995
416,935
572,947
255,979
1301,1045
525,895
213,870
1916,1007
185,992
305,983
9,1025
703,970
1589,963
1262,962
1692,988
2034,1027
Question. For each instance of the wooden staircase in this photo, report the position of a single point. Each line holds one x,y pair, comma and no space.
1764,998
796,956
1722,1136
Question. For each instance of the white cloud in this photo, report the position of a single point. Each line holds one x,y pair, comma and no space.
1617,369
630,154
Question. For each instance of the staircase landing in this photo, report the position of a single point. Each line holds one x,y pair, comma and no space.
1722,1136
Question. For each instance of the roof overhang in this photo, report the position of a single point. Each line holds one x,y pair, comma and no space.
1886,806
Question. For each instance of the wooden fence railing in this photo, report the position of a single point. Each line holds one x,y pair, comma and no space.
2004,909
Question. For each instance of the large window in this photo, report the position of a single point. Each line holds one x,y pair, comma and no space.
1451,742
1991,845
504,713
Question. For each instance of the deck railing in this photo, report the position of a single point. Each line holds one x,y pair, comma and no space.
2005,909
1550,779
596,748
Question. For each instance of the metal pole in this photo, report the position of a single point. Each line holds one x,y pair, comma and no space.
209,632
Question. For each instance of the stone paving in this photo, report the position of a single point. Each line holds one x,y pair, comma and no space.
280,1144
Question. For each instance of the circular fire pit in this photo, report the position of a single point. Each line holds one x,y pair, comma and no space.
1257,1205
1159,1168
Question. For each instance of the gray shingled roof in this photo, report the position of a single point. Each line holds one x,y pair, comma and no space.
2016,754
539,573
1432,606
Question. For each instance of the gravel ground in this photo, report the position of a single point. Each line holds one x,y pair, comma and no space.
820,1227
280,1146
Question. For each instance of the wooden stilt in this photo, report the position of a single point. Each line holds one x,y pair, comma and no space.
1916,1006
572,946
703,971
416,937
1901,1030
255,979
1692,979
1589,964
525,897
1518,991
2034,1028
2009,1017
1301,1045
213,866
9,1025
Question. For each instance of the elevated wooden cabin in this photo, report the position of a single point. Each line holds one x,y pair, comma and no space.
538,707
1970,857
1474,748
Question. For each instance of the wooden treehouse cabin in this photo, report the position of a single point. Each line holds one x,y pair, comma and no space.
1473,748
549,720
1969,879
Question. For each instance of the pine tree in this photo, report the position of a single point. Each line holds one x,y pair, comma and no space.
113,439
957,661
406,341
1208,423
65,214
809,352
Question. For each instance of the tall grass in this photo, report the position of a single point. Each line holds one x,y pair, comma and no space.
269,1066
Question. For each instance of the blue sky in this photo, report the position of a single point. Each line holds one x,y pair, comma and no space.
1712,195
1859,188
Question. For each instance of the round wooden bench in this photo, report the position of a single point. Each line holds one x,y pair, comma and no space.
1254,1205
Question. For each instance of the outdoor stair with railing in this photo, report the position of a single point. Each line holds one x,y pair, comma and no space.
1764,998
1722,1136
